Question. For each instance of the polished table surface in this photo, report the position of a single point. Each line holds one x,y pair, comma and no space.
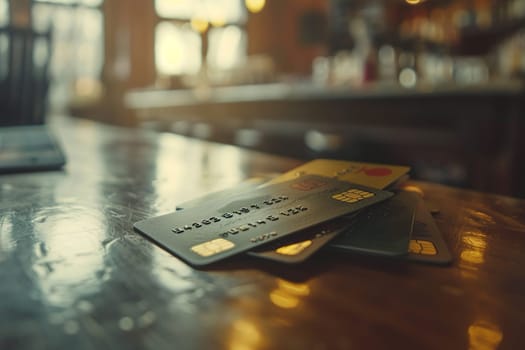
74,274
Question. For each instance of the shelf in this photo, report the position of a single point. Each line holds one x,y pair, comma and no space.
476,41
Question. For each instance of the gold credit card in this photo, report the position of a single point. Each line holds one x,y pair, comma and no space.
372,175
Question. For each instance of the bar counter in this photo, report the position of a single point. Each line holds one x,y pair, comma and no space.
468,126
76,276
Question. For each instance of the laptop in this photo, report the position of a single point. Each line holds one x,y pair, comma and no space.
26,142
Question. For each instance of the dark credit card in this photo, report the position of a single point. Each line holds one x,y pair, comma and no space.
427,244
234,224
383,229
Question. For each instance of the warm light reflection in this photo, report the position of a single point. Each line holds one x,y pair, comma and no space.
287,295
198,24
244,336
415,189
472,256
414,2
284,300
475,245
473,252
481,216
300,289
255,6
294,248
475,241
484,336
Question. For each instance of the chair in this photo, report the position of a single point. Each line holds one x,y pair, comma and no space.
24,77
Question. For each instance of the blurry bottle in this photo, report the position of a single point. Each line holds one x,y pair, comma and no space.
387,63
370,66
321,70
407,69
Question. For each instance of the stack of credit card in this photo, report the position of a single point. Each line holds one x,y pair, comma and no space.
325,204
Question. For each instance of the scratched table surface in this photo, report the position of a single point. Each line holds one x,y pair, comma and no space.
74,274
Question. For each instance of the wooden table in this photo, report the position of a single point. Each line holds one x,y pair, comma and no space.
74,274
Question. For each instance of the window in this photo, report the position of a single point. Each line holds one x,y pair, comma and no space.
225,11
4,42
181,9
183,24
177,49
227,47
78,46
4,13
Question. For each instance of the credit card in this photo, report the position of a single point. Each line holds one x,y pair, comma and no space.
378,176
292,249
427,244
234,224
372,175
367,174
383,229
300,246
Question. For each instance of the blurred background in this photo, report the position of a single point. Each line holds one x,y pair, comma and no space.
434,84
